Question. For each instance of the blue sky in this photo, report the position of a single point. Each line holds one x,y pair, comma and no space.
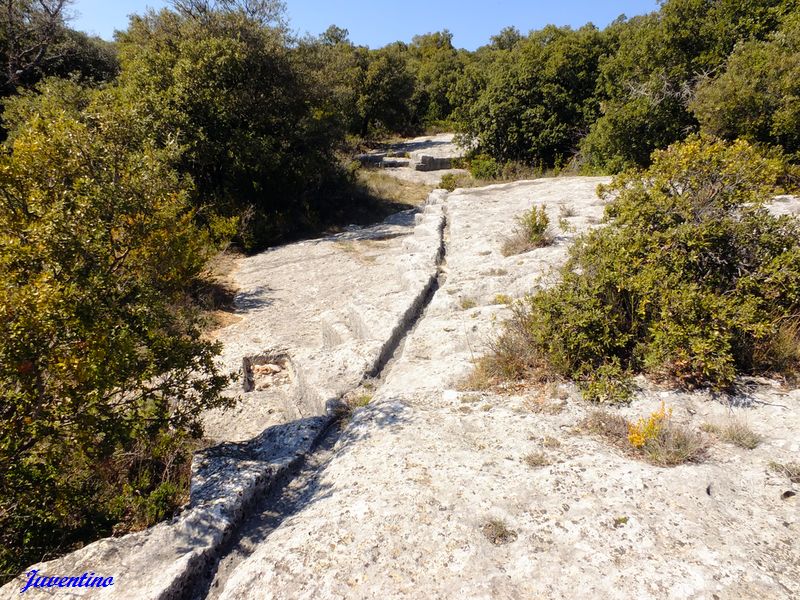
374,23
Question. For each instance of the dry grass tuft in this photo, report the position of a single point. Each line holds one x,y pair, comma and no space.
551,442
452,181
790,470
467,303
498,532
536,459
512,357
737,433
541,405
608,425
781,352
360,396
675,445
214,291
657,439
381,185
566,210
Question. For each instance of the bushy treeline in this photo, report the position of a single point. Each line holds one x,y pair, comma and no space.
607,99
602,100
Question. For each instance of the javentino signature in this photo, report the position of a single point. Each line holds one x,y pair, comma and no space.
86,580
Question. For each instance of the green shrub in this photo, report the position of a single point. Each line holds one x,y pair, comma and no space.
691,281
103,368
485,167
606,385
532,232
534,224
448,182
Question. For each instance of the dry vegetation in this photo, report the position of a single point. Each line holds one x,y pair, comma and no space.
512,357
537,460
467,303
498,532
735,432
385,187
656,439
790,470
215,290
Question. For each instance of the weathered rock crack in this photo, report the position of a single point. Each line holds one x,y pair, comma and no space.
290,492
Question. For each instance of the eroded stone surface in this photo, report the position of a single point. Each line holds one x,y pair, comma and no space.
327,307
400,508
315,319
420,471
161,562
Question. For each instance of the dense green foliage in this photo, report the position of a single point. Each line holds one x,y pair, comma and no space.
225,90
102,365
535,99
609,98
646,84
757,97
692,280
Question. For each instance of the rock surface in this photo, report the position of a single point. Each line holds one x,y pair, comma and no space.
316,318
323,309
420,471
422,160
428,492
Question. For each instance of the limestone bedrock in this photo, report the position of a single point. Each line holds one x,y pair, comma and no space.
400,507
418,473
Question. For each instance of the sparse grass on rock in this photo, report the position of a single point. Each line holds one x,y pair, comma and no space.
451,181
566,211
467,303
736,432
533,231
655,439
791,470
537,459
383,186
512,357
498,532
620,522
551,442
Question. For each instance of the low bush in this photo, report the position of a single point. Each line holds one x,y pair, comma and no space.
692,281
104,369
485,167
533,231
449,182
